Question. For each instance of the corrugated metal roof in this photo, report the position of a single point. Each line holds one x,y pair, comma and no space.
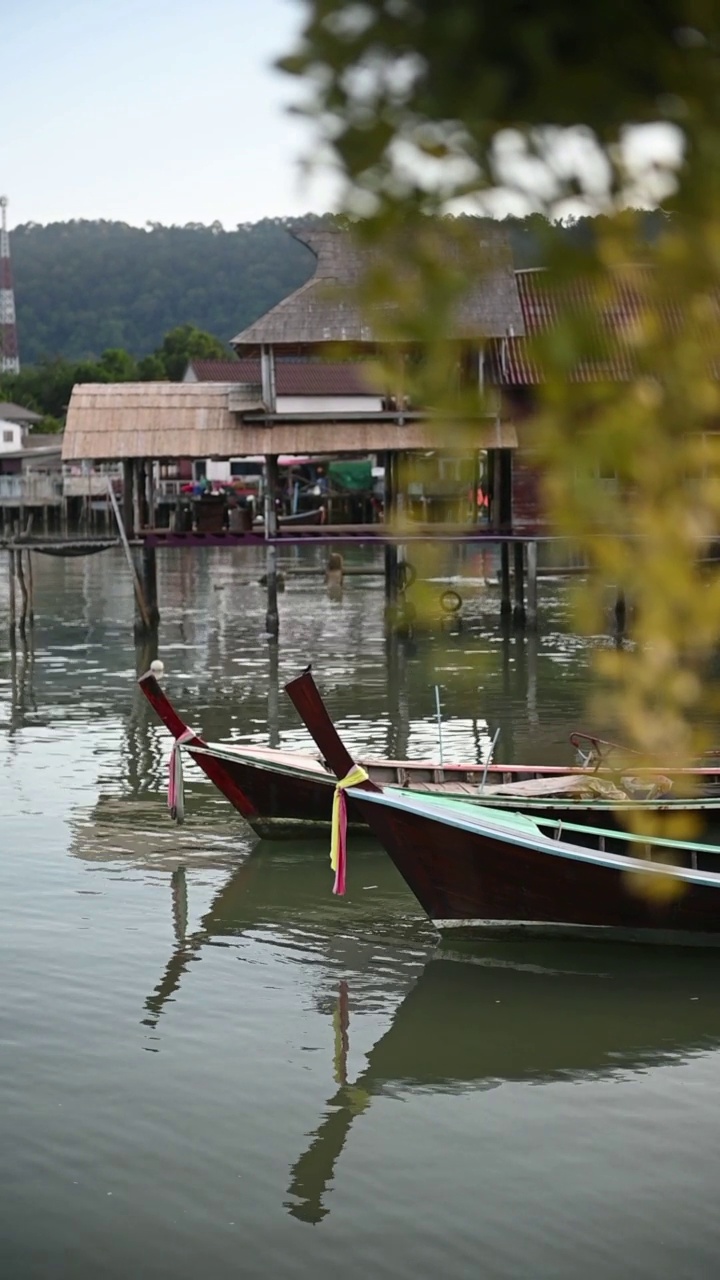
544,304
293,378
323,310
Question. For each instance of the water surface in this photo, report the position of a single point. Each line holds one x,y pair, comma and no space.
209,1066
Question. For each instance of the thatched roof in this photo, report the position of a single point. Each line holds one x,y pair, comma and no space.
323,310
153,420
204,420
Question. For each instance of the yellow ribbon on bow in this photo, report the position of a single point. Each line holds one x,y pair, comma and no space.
353,779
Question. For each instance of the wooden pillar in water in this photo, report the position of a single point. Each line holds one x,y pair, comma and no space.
12,600
128,509
532,585
138,494
272,618
503,508
505,601
150,492
391,550
519,572
149,583
620,612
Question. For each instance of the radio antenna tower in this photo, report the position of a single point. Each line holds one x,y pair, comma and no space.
9,357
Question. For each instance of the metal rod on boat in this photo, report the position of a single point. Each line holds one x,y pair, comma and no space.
439,721
488,760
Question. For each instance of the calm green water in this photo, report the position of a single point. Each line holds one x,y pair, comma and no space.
210,1067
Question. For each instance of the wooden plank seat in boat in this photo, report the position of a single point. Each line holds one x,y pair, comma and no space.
537,788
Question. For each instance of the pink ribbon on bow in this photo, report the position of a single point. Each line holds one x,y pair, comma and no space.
175,798
338,839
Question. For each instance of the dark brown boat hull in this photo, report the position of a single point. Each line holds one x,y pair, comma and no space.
482,883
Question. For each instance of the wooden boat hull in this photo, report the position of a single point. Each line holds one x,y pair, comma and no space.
487,883
476,870
283,795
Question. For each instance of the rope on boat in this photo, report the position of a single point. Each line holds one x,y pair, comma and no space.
176,789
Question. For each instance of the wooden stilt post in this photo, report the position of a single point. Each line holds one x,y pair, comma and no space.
532,584
272,618
503,484
11,594
24,598
505,601
391,550
519,571
150,492
273,698
149,583
128,505
620,612
138,495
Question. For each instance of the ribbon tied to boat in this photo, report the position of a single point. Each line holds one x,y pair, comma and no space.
176,790
338,843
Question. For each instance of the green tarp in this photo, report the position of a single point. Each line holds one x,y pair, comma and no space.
353,474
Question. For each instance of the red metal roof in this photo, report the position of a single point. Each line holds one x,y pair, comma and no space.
293,378
544,304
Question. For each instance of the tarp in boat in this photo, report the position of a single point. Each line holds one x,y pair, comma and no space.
353,474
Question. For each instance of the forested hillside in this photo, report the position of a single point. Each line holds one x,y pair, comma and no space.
85,287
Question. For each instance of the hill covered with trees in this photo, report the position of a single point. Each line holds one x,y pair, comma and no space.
83,288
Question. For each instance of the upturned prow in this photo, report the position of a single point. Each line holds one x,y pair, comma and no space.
306,699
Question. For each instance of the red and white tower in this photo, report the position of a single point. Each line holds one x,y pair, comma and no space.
9,357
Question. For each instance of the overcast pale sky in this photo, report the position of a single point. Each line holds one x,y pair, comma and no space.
151,110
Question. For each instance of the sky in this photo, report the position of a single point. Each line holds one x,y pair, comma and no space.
153,110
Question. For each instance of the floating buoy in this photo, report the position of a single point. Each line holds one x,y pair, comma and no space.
451,602
157,667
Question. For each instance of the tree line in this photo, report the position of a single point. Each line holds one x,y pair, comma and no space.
47,386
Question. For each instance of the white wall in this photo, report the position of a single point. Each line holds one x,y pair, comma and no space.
328,404
11,437
218,469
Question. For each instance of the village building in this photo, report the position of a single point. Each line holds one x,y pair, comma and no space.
289,394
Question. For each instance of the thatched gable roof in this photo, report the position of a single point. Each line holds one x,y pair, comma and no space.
323,309
109,421
153,420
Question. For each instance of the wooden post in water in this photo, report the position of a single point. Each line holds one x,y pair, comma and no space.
150,492
31,587
128,505
272,617
11,594
391,550
532,584
519,571
149,583
505,601
24,598
142,497
503,478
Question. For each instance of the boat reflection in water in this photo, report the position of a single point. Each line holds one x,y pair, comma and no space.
535,1014
464,1020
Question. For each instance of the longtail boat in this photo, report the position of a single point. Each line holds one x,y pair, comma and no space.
283,794
472,868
